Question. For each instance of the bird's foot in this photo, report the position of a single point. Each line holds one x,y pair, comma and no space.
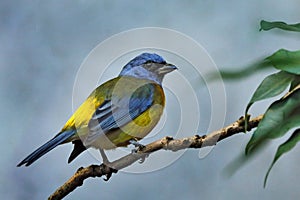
143,158
138,146
109,172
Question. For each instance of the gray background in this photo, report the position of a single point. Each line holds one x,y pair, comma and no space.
42,45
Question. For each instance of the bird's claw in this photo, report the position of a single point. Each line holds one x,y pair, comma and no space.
107,177
137,145
143,157
142,160
109,174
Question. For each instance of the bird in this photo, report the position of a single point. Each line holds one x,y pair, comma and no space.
117,113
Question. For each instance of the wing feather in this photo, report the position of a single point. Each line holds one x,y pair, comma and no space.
118,111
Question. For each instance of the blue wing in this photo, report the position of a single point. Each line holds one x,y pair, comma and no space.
118,111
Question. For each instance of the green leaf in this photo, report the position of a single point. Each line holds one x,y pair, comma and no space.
285,60
238,74
295,82
264,25
284,148
279,118
271,86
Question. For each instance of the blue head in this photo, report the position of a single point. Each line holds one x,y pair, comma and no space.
148,66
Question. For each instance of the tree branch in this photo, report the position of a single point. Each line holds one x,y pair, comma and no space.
166,143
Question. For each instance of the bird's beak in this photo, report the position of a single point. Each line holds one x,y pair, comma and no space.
167,68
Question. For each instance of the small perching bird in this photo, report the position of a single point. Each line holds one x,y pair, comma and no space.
119,111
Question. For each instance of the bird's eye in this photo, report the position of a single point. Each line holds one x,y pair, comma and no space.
148,63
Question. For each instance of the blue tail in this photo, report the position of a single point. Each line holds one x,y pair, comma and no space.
51,144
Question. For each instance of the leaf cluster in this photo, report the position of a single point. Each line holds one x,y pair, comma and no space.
283,115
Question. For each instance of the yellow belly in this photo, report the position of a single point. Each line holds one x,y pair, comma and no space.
137,129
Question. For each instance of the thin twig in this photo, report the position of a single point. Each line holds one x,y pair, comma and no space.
166,143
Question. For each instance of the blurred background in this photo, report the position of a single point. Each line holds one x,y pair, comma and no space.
42,47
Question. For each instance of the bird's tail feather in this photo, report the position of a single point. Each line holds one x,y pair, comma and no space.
78,149
51,144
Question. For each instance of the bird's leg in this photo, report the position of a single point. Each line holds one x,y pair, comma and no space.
104,158
138,147
108,164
